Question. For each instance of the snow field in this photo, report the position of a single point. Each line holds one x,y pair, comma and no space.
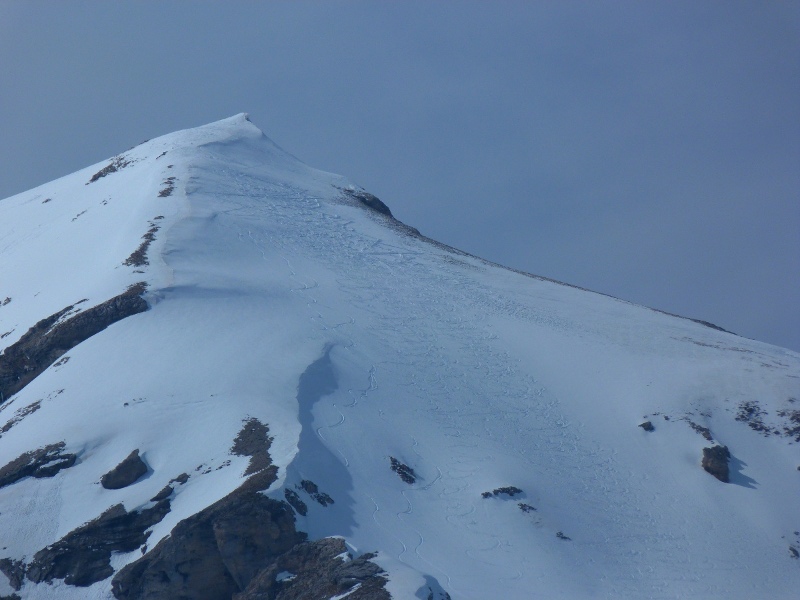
273,296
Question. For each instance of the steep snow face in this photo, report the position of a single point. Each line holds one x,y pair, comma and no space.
477,427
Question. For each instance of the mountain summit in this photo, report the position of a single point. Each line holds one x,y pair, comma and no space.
226,374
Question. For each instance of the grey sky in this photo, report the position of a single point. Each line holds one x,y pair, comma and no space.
650,151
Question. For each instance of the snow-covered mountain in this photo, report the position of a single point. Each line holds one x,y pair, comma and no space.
227,374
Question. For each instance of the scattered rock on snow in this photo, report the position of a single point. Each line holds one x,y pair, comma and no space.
715,462
405,472
169,187
508,490
752,414
792,427
295,502
117,163
20,414
138,257
312,490
647,426
704,431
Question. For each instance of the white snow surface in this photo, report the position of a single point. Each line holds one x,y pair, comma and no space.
264,272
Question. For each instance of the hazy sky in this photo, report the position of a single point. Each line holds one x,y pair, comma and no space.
646,150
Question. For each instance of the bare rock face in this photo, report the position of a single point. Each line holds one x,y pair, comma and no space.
242,546
83,556
253,440
50,338
237,547
369,200
715,462
125,473
216,552
14,570
318,571
43,462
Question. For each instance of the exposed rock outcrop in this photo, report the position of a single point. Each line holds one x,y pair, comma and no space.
369,200
50,338
216,552
311,488
14,570
236,547
300,507
165,493
117,163
509,490
169,187
125,473
318,571
20,414
791,427
43,462
253,440
405,472
138,257
715,462
704,431
83,556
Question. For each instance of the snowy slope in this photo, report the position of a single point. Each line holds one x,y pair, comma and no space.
275,294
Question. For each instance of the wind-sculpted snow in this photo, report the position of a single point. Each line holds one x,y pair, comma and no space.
276,298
